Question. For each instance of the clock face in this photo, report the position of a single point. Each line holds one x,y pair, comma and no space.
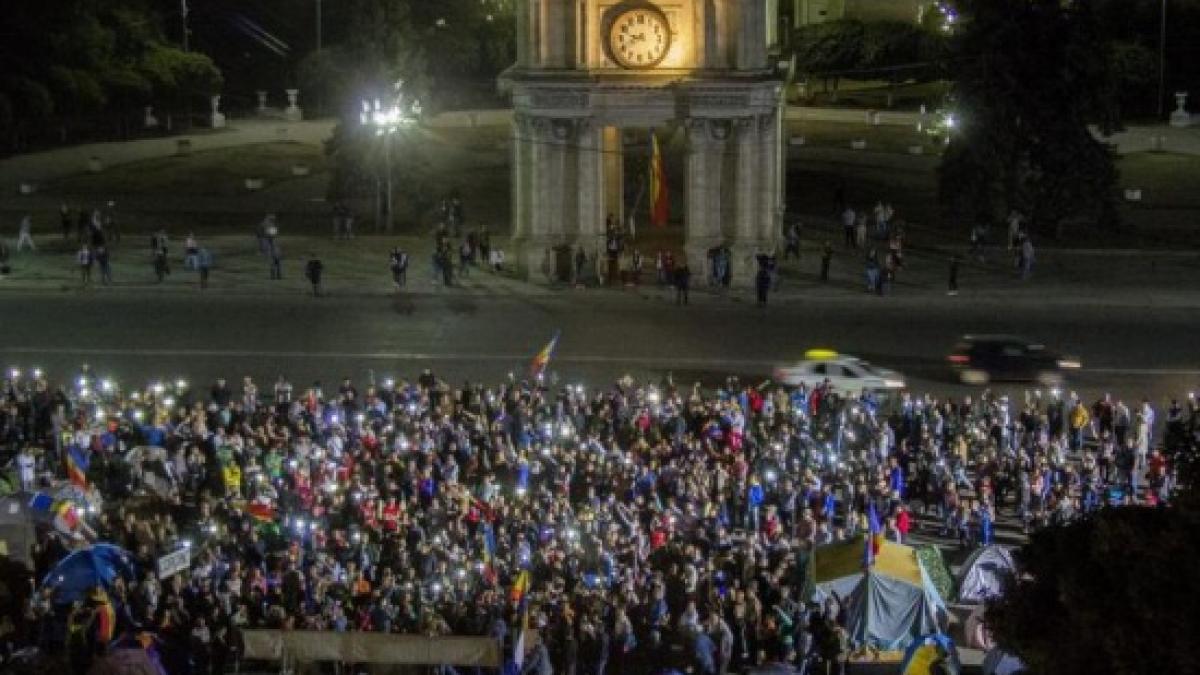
639,37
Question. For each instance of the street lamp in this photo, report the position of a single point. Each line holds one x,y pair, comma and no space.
387,121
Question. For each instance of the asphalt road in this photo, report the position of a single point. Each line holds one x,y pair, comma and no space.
1134,353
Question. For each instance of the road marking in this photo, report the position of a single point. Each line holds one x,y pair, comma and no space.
690,361
1142,371
390,356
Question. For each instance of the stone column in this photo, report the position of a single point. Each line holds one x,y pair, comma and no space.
701,221
590,187
614,175
769,227
520,175
747,240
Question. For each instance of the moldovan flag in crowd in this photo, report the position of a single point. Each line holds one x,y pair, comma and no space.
77,465
520,645
542,359
519,588
106,617
874,541
261,510
65,517
489,554
660,206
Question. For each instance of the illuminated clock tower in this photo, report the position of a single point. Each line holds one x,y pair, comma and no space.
586,69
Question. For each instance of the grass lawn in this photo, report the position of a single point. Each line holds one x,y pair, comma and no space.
880,138
873,94
205,191
213,173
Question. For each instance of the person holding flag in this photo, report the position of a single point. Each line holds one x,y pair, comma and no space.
874,539
77,465
542,359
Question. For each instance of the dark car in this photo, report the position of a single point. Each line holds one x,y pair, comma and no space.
979,359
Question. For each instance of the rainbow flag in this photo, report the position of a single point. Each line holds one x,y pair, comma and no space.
77,465
542,359
660,205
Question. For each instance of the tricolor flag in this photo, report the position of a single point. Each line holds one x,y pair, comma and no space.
542,359
489,554
660,205
106,617
520,588
62,512
66,518
261,510
874,540
522,639
77,465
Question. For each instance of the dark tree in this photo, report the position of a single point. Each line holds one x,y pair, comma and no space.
1030,76
1114,593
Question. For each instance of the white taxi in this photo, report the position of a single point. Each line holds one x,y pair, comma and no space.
846,374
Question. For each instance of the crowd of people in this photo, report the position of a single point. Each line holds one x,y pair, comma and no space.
635,528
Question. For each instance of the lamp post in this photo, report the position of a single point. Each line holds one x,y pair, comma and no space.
386,121
1162,56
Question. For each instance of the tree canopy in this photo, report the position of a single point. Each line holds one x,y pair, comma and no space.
894,51
1029,77
78,59
1114,593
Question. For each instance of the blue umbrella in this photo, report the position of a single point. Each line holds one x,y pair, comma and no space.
77,574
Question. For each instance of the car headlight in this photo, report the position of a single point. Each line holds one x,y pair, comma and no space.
893,384
1071,364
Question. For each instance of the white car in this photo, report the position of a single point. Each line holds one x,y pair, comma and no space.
846,374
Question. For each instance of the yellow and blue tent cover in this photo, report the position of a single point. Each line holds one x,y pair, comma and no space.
926,652
888,604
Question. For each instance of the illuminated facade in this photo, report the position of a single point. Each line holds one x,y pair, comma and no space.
586,69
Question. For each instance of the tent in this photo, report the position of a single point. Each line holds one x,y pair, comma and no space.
999,662
931,654
975,631
887,605
78,573
983,574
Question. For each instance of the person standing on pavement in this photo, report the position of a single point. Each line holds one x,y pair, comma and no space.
1026,257
158,245
25,234
203,264
110,223
848,221
190,249
952,284
276,259
313,271
64,215
398,262
102,260
762,282
683,278
826,259
84,260
793,242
